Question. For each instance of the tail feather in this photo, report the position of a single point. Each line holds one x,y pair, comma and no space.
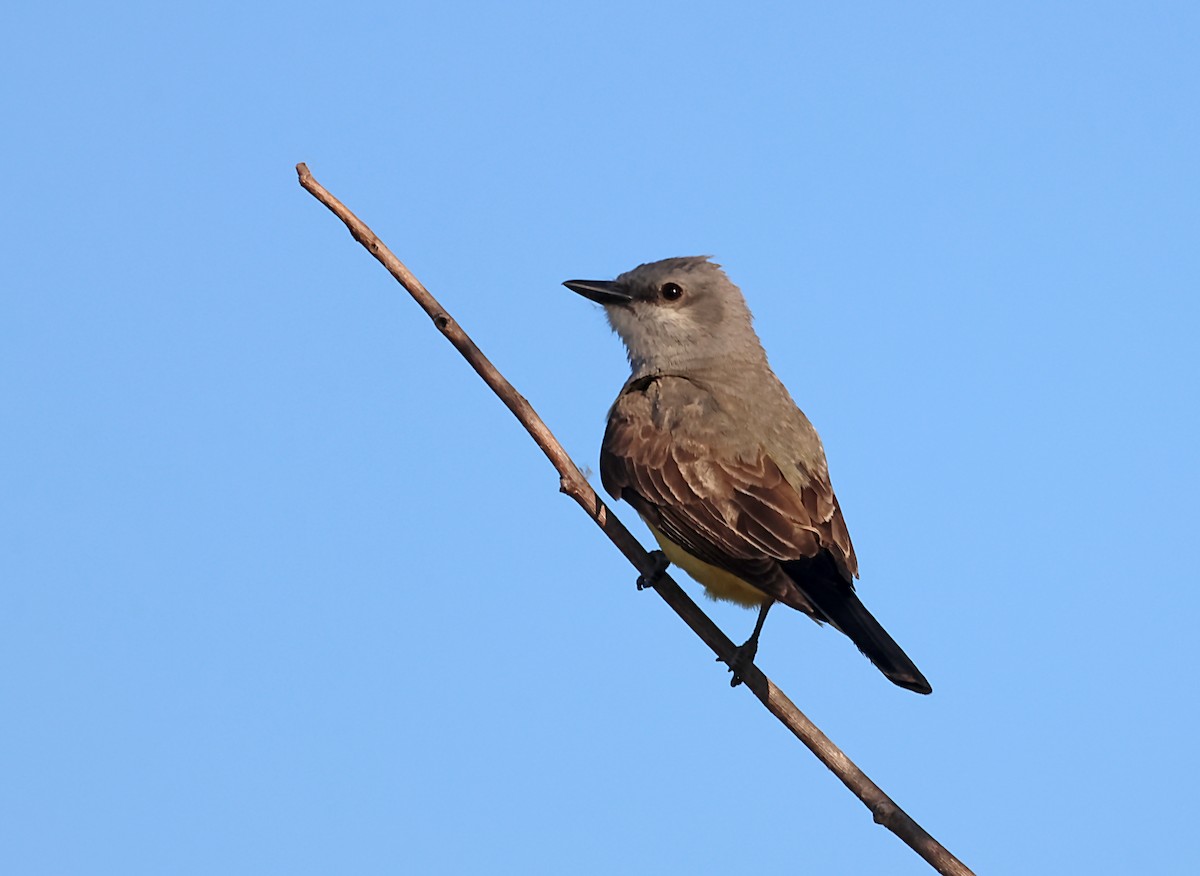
841,608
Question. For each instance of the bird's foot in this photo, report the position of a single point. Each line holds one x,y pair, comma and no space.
743,657
651,578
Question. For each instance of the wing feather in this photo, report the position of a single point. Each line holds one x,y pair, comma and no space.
735,510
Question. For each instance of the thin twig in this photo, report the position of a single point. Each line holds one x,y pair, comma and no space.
574,484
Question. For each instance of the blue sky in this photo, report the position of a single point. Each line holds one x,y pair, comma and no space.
286,590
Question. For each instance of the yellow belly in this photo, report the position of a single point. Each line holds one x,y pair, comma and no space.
718,583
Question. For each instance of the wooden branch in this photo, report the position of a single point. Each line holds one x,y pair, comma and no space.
574,484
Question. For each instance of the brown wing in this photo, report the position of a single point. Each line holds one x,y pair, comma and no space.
736,511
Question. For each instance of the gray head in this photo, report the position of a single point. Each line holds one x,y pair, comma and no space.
676,313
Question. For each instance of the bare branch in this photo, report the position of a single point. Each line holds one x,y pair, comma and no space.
574,484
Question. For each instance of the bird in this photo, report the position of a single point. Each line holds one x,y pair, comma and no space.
708,447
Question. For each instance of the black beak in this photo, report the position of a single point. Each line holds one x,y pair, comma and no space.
600,291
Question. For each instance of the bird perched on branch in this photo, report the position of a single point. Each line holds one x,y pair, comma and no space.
707,445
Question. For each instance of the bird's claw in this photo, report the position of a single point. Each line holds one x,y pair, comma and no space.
651,578
743,656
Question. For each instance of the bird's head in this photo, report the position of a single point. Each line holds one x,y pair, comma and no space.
675,313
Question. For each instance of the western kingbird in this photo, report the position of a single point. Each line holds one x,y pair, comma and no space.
707,445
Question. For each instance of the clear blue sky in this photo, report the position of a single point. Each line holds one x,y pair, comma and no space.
286,590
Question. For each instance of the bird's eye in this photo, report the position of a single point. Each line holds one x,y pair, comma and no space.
672,291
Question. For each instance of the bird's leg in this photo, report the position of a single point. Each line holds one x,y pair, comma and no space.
744,655
651,578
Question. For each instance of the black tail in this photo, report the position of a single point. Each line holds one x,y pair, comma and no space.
841,607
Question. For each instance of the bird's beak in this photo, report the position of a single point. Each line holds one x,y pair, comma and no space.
600,291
